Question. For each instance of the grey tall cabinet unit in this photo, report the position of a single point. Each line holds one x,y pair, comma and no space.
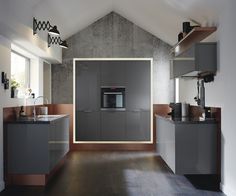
132,124
88,100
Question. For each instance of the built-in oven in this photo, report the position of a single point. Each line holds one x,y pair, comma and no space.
112,98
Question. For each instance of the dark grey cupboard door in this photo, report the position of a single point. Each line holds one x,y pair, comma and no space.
112,126
138,125
88,126
138,85
146,124
87,85
112,73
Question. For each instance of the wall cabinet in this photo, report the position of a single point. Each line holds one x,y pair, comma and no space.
201,59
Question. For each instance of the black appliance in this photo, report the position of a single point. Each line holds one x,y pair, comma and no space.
176,110
112,98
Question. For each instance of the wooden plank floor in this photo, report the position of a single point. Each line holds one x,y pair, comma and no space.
113,173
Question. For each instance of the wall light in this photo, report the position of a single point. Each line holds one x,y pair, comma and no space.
57,40
44,25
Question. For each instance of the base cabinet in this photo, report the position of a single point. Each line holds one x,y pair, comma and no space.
36,148
112,126
88,126
188,148
137,125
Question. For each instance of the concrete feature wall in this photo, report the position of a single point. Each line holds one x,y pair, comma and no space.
114,37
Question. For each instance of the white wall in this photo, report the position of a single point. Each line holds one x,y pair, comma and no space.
222,93
16,19
6,101
16,23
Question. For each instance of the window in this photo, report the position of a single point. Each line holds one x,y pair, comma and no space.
20,73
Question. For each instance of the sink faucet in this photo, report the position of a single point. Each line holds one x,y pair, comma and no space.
34,111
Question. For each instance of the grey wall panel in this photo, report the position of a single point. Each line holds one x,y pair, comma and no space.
114,37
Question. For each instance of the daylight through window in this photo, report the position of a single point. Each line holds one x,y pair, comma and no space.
20,77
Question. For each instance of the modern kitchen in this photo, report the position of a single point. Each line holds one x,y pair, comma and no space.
117,97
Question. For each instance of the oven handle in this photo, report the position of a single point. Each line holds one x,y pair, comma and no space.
113,93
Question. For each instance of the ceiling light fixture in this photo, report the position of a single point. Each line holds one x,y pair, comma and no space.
57,40
44,25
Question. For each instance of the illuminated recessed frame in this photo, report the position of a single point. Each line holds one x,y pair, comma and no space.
151,100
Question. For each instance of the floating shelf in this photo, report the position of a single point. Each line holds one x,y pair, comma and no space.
196,35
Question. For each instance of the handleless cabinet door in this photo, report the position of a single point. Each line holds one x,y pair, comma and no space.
87,100
138,125
87,126
88,85
112,73
112,126
146,125
138,85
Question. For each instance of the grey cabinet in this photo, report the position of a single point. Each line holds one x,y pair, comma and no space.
87,100
200,59
36,148
88,126
188,148
138,125
92,124
88,85
112,125
112,73
138,100
138,85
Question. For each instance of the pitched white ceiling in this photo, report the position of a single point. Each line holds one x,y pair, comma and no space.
163,18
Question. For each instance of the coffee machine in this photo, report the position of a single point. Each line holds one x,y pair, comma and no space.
179,110
175,110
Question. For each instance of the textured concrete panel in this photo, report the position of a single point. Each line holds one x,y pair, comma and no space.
114,37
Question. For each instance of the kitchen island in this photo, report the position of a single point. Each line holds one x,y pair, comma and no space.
35,147
187,145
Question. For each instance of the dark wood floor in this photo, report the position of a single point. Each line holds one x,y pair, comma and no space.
113,173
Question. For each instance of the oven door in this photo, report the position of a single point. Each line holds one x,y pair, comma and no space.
113,99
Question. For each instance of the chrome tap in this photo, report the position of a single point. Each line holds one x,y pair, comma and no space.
200,98
34,111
